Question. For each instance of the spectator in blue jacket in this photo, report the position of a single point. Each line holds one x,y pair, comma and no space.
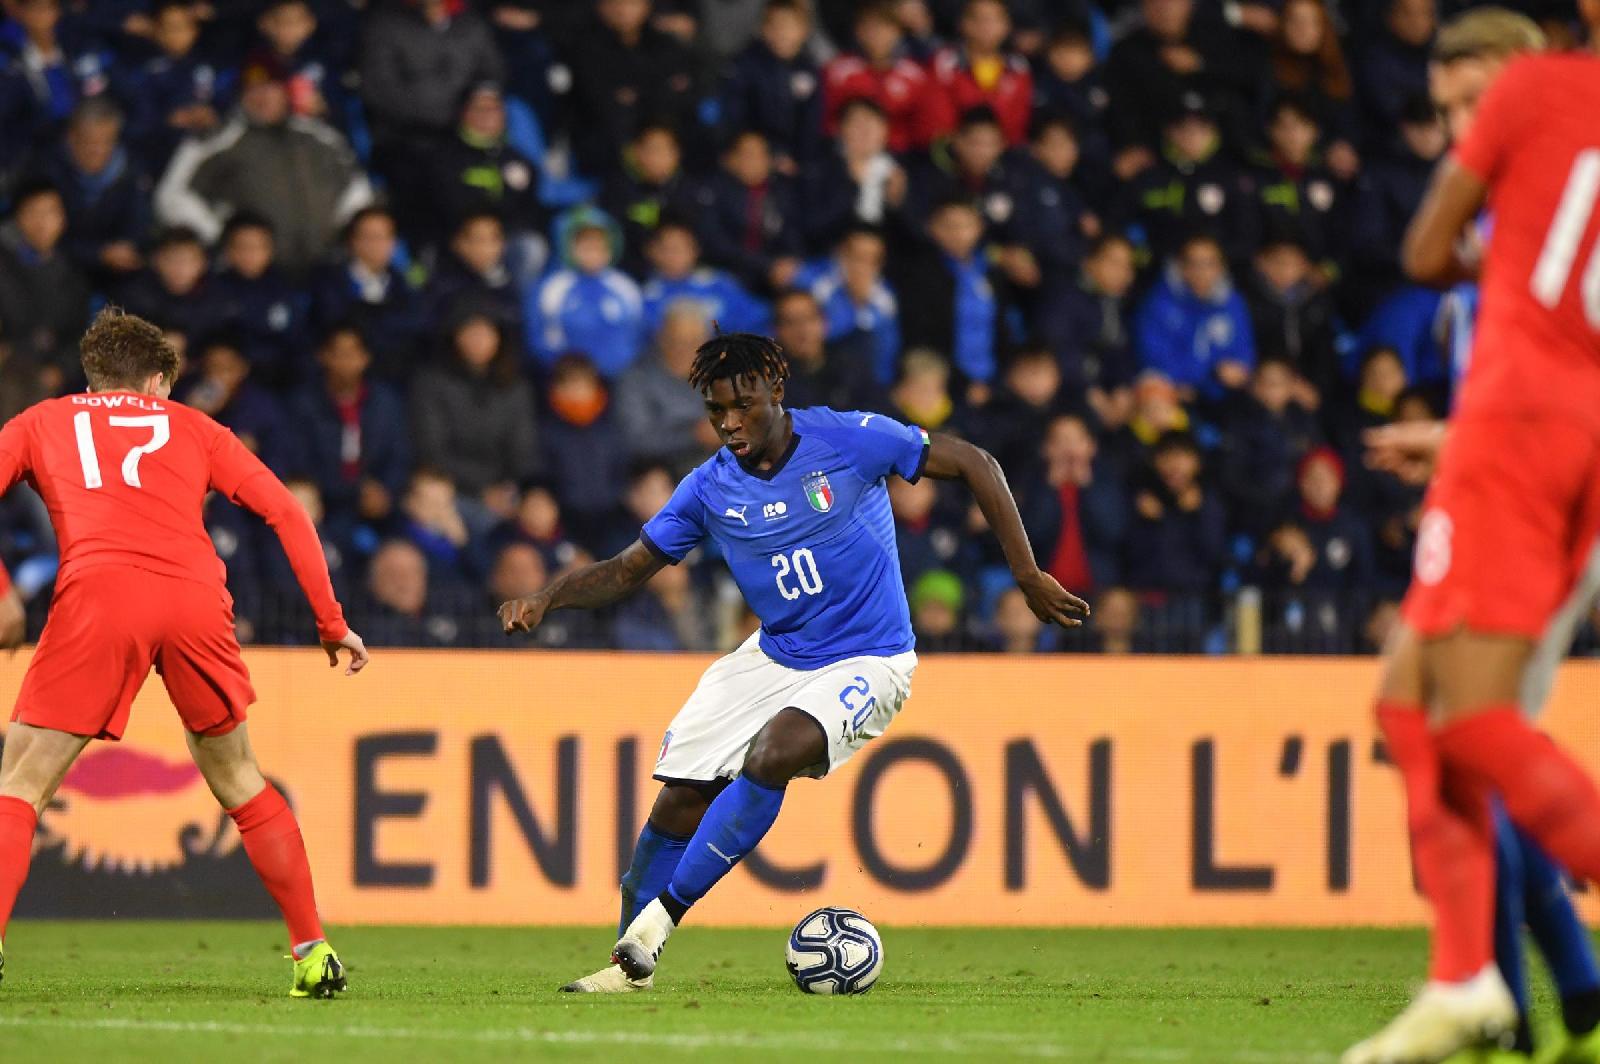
431,519
749,217
257,303
776,87
107,198
1194,327
588,304
959,309
351,435
855,298
45,69
175,93
677,275
365,288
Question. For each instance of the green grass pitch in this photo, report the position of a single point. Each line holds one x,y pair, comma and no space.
154,991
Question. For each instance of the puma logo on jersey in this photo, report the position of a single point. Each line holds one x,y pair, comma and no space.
866,418
737,513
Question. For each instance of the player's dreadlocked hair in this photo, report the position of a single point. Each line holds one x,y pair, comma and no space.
732,356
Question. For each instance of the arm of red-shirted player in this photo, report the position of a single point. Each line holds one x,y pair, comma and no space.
14,451
950,458
1431,254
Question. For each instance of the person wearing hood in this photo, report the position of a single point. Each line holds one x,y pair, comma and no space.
107,198
296,172
477,171
677,276
472,414
587,304
1194,327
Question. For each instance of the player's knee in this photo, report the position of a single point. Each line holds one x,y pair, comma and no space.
789,745
678,808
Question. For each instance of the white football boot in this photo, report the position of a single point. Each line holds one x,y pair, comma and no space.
639,947
608,980
1444,1019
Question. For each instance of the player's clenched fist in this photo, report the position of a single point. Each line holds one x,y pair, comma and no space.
523,614
1050,602
358,652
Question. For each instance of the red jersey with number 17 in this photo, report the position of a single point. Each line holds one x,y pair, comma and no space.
125,478
1535,144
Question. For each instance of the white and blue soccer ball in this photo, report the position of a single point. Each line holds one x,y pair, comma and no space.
835,951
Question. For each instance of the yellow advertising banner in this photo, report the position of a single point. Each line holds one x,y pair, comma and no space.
500,787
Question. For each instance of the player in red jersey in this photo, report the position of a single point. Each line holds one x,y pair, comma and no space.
124,472
1507,530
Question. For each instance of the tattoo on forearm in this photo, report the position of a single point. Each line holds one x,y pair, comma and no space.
602,583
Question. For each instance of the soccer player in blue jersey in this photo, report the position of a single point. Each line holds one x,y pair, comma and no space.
797,501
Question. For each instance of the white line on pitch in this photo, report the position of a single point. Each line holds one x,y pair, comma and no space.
953,1045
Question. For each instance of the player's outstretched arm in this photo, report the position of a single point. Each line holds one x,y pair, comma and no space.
1432,252
950,458
599,584
1408,449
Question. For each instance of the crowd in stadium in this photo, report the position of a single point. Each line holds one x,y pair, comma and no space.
444,265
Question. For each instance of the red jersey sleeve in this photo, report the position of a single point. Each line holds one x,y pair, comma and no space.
16,450
1500,114
244,479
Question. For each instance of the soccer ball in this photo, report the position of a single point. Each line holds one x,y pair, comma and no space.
835,951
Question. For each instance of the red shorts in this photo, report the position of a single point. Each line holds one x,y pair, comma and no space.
108,626
1508,526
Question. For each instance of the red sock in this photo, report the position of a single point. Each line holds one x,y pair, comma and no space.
272,841
1447,815
1545,792
17,821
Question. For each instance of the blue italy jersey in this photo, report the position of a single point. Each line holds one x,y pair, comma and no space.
811,540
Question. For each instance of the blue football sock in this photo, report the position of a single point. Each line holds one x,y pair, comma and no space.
1560,935
738,820
1508,910
655,858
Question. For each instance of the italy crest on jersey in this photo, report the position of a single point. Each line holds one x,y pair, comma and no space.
819,493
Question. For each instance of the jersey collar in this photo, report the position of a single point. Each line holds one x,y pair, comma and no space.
777,467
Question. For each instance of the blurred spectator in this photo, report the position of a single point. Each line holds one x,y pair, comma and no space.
350,434
587,304
256,302
476,171
519,571
1053,221
921,393
881,71
749,217
1308,61
1265,434
1070,84
431,519
174,292
649,188
297,172
474,275
981,72
1017,630
678,277
1157,409
1391,187
975,168
839,374
1014,420
538,524
1172,53
472,415
1176,541
418,57
1193,186
107,199
365,289
1115,625
400,609
1194,327
222,388
923,541
1339,538
45,70
663,418
1378,388
860,183
175,93
775,87
854,297
21,382
1295,189
959,307
44,300
1292,317
286,617
667,615
1075,508
585,452
289,44
1394,62
625,72
1087,326
937,599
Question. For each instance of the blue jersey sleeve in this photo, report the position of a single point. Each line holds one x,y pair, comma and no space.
681,524
876,446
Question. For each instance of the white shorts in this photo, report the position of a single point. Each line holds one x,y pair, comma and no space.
853,700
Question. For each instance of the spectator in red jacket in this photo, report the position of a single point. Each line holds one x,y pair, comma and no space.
880,71
980,72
